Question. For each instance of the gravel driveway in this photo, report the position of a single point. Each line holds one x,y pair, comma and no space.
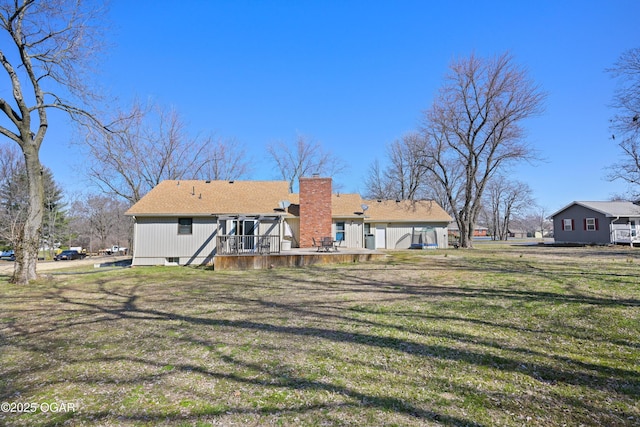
6,267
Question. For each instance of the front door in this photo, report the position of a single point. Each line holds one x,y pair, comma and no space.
248,229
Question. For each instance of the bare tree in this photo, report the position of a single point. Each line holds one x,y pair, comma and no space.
534,220
378,187
505,199
148,144
99,222
45,49
625,124
226,160
404,176
474,129
436,192
406,172
304,158
537,217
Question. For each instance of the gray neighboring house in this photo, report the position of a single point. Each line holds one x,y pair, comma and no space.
597,223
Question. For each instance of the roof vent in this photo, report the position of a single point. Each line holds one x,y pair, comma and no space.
208,181
231,181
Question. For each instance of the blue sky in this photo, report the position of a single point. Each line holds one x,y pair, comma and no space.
355,75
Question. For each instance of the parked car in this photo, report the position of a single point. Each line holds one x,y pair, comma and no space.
10,255
115,250
68,255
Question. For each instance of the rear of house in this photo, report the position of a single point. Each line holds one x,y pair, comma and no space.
191,222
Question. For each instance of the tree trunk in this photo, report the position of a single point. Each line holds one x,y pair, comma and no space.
29,243
466,232
469,239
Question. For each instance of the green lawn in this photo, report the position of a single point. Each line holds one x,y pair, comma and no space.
498,335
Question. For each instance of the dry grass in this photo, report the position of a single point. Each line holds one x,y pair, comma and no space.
494,336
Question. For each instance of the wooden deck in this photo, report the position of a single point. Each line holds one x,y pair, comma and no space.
294,258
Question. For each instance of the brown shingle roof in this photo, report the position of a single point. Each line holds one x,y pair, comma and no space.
177,198
346,205
214,197
406,210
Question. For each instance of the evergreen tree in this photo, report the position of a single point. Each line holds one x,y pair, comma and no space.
14,201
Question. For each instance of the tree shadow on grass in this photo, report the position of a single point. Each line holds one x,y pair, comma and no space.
594,376
112,303
128,310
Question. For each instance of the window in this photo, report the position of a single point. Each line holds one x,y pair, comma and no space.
567,225
185,225
591,224
340,231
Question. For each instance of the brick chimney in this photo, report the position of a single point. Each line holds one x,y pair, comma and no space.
315,209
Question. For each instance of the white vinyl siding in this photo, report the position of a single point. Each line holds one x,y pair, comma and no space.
294,224
352,233
398,236
268,228
157,240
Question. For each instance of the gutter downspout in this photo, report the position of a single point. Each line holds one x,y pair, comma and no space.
135,240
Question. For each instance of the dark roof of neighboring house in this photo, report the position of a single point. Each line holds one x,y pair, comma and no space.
609,209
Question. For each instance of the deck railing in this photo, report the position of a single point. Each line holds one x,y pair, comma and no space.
247,244
625,234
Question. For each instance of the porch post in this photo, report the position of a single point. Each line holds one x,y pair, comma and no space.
218,239
612,234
